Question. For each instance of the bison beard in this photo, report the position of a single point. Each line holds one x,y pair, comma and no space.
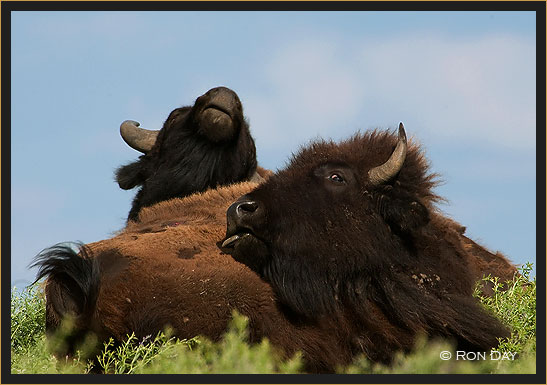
199,147
339,240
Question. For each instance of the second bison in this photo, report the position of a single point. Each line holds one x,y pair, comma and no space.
199,147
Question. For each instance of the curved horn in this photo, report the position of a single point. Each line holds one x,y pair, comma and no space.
138,138
393,165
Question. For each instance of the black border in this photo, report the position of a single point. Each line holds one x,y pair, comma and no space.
272,5
7,7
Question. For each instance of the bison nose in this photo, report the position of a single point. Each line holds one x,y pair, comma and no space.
244,215
224,98
246,208
242,212
220,114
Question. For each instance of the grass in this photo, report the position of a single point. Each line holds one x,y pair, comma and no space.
28,318
30,349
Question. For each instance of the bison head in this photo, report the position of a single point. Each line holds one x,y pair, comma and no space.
199,147
348,231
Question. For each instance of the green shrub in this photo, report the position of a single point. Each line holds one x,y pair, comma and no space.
37,359
232,354
132,354
514,303
515,306
425,359
30,350
28,318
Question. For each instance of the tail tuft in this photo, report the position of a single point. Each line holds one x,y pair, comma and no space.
73,281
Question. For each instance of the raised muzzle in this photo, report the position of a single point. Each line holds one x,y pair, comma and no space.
220,115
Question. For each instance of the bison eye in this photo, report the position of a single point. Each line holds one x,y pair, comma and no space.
336,178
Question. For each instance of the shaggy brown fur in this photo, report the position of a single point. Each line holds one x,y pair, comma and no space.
166,269
339,249
483,262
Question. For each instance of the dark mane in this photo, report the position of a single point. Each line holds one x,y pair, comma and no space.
189,156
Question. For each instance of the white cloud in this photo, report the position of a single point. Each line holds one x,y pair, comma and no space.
311,89
480,90
314,74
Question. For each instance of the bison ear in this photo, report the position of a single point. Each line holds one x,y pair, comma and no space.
131,175
402,214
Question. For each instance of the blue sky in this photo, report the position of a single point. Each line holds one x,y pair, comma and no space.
463,83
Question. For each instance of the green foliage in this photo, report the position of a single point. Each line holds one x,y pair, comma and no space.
514,303
28,318
131,355
232,354
30,350
37,359
426,359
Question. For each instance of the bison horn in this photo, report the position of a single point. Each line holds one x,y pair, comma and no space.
393,165
138,138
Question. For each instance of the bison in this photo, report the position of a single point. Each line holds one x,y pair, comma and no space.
199,147
166,269
208,145
352,243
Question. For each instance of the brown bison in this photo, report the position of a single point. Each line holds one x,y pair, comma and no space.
199,147
209,144
353,244
165,269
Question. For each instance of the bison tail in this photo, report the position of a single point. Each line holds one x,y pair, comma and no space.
72,283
